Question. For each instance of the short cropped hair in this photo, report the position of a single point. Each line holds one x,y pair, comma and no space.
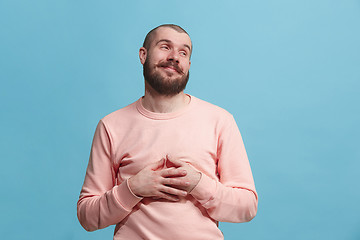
150,36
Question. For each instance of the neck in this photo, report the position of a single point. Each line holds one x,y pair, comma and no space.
158,103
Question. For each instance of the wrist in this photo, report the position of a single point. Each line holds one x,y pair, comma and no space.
131,187
196,181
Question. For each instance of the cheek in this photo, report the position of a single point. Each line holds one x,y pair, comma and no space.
158,55
186,66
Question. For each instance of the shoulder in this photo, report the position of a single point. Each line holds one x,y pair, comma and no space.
121,115
210,110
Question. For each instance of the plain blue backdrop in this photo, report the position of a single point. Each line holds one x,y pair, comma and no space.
288,71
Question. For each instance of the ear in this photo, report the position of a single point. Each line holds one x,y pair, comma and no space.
142,55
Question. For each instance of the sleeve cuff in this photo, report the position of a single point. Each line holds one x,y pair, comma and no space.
205,189
126,197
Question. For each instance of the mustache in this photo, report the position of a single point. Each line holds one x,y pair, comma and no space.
171,64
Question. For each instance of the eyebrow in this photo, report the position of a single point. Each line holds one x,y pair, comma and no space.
168,41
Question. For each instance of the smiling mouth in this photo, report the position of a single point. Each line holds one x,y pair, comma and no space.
171,67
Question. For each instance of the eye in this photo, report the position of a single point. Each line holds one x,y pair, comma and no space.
183,53
165,47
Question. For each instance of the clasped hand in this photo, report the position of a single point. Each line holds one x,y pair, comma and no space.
168,183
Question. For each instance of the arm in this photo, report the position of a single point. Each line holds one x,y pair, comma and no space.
101,202
233,198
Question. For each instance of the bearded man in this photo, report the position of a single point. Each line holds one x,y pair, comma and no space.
168,166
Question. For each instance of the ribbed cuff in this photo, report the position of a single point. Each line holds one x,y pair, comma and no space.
204,190
126,197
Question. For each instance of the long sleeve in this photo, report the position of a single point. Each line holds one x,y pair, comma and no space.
102,202
204,136
233,197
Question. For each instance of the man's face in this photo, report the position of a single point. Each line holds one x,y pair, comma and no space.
166,63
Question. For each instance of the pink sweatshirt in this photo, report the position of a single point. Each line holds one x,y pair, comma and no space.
201,134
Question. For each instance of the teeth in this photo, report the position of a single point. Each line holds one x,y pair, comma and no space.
171,68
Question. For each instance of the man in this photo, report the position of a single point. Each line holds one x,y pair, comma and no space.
169,166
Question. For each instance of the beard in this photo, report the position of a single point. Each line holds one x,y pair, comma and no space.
164,85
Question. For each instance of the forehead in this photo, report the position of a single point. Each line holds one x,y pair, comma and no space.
169,34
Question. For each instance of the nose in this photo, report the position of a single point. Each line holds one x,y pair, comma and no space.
173,56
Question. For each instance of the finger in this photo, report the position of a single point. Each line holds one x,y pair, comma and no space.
173,191
157,165
175,182
167,197
173,172
175,162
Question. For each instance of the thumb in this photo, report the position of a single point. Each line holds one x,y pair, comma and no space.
157,165
174,162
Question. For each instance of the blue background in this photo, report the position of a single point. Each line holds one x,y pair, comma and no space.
287,70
